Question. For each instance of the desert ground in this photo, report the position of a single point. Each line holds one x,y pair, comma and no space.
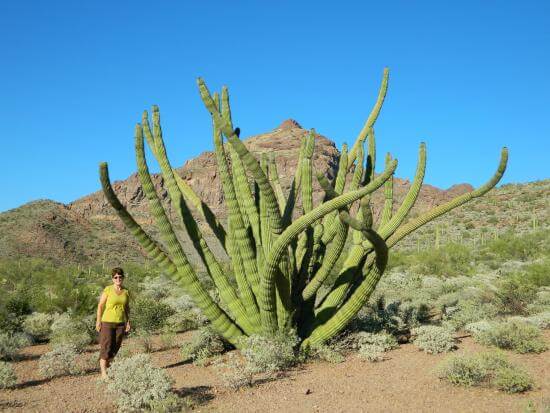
405,381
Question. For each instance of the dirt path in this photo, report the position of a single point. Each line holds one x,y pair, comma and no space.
404,382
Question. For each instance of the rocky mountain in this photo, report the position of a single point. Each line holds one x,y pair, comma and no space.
87,230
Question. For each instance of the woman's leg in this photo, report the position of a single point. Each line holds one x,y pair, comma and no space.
105,340
103,365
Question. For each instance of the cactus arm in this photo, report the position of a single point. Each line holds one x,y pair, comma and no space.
333,252
227,292
149,245
388,195
410,199
248,159
179,270
267,294
274,177
204,210
357,300
243,192
416,223
372,116
306,174
371,157
353,261
247,274
328,221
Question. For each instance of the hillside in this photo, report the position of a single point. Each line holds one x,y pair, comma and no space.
87,230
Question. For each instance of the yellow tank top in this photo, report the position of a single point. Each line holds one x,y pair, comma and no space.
114,307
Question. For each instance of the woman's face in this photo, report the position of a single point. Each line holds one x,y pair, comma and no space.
118,279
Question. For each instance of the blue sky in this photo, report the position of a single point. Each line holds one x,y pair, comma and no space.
467,78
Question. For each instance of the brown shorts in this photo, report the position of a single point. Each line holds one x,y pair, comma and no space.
110,339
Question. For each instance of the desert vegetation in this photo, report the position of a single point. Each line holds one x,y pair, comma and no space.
316,286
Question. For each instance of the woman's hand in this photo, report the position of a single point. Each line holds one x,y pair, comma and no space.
127,329
98,326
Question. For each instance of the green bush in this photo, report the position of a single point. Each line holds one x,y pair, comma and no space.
8,378
449,260
13,312
204,344
510,246
463,371
434,339
485,369
70,331
271,354
184,320
234,372
149,315
137,385
37,325
541,320
513,335
327,353
512,380
11,344
61,361
514,295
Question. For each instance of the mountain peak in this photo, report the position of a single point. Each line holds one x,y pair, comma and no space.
289,124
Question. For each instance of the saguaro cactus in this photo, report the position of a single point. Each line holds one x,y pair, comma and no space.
279,265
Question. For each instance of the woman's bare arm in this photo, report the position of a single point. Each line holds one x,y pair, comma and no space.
127,310
100,308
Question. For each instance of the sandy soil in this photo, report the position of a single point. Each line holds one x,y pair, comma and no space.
404,382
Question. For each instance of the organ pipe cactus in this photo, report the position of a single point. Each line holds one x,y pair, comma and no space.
280,267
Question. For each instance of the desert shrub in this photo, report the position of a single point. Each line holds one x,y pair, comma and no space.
61,361
470,311
541,303
204,344
485,369
167,340
170,404
8,378
137,385
142,342
234,372
371,352
327,353
372,346
271,354
434,339
395,317
463,370
513,335
541,320
513,296
11,344
184,320
538,273
149,314
451,259
70,331
383,340
13,312
512,380
38,325
478,326
510,246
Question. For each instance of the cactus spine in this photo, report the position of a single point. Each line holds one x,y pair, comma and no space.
279,265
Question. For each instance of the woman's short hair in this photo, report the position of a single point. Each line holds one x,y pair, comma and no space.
117,271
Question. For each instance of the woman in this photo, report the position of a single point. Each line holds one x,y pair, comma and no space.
113,319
